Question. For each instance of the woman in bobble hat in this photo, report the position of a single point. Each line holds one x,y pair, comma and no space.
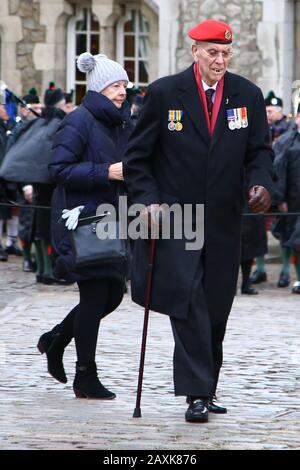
88,171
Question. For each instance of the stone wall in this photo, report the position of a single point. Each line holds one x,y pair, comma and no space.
33,32
243,17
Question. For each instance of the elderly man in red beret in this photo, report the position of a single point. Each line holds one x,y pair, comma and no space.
202,138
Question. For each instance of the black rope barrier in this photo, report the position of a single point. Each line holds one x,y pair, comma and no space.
247,214
25,206
271,214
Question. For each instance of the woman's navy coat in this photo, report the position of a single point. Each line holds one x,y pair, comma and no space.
87,142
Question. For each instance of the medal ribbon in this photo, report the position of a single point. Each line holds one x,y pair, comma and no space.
244,113
230,115
178,115
236,114
171,115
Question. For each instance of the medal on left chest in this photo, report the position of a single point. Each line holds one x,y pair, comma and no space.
174,118
237,118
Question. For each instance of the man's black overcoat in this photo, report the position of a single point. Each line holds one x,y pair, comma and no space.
189,166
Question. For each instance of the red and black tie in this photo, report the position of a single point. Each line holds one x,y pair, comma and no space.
209,94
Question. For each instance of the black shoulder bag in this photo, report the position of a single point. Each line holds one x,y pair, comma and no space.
96,241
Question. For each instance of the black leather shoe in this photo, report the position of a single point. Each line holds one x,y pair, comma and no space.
14,250
247,289
296,288
45,279
62,282
284,280
3,254
213,406
258,277
197,412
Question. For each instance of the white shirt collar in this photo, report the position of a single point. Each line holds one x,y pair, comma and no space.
206,87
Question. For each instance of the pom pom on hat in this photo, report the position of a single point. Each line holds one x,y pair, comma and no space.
101,71
86,62
53,95
31,97
212,31
32,91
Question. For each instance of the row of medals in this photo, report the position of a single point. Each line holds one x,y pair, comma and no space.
172,126
237,124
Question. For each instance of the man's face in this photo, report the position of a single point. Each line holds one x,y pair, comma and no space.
25,113
212,60
274,113
69,107
37,107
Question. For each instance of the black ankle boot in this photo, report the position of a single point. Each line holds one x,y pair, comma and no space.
52,344
247,288
87,384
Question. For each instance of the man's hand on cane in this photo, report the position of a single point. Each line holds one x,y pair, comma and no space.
151,217
259,199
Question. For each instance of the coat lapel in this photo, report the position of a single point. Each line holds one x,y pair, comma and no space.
229,91
189,96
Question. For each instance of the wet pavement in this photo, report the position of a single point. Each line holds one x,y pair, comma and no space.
259,381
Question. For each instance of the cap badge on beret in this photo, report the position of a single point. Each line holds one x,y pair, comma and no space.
227,34
274,101
212,31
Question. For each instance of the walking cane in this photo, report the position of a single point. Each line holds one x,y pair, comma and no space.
137,411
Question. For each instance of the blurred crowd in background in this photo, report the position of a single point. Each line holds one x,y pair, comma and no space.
27,127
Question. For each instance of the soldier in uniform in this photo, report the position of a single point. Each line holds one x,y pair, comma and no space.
278,125
199,132
287,197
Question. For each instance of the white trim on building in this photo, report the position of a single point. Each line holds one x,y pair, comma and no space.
275,38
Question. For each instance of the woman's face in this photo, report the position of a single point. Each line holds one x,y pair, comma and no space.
116,92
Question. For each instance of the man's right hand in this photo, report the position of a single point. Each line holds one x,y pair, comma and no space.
151,215
115,171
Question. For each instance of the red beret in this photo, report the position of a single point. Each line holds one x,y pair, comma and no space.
212,31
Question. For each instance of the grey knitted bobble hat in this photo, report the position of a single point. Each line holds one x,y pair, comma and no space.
100,71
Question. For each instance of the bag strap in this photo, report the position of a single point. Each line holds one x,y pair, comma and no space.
91,219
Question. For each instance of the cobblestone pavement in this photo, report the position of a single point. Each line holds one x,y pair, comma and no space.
259,381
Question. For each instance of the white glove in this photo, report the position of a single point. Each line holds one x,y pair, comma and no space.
72,217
